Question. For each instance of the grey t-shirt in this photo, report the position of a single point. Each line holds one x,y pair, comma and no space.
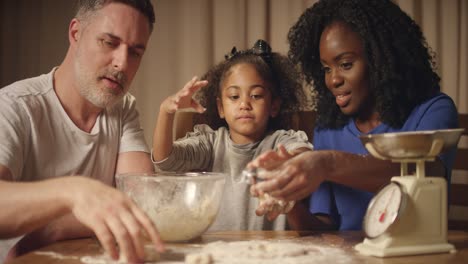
39,140
205,149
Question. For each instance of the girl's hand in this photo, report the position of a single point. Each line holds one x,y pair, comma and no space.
183,99
295,179
267,204
272,207
270,160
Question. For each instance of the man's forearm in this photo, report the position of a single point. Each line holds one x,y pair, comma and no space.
20,215
65,227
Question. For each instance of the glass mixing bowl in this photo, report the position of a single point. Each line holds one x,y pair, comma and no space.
181,205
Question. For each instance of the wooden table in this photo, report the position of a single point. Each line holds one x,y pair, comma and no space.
71,251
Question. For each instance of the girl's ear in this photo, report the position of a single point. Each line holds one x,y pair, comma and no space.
220,108
275,107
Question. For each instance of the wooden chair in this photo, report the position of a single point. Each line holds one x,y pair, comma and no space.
458,212
183,123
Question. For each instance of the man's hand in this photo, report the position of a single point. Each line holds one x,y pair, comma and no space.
70,207
113,217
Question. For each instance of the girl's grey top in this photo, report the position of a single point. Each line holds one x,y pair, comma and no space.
205,149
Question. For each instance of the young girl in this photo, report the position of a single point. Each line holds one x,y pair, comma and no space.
248,97
373,73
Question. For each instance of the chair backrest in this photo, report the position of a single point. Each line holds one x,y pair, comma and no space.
184,122
458,212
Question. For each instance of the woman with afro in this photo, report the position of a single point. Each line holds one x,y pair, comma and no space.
373,73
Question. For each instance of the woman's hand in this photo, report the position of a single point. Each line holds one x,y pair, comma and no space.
183,98
271,159
272,207
268,205
293,179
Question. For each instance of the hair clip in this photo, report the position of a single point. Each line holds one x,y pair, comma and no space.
260,48
231,54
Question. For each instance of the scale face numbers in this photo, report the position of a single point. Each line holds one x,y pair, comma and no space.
383,210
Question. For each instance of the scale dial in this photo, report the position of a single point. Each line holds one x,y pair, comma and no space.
384,209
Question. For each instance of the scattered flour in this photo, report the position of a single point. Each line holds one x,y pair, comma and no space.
239,252
105,259
55,255
263,252
173,255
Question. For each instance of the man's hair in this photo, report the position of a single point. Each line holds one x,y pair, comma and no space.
85,8
400,63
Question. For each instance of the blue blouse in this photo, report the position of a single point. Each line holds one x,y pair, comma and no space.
346,205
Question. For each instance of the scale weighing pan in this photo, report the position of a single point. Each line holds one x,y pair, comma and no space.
409,215
415,145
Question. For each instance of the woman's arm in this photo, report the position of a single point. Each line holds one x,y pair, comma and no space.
296,178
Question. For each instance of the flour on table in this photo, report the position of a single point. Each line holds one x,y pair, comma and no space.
105,259
262,252
172,255
151,256
54,255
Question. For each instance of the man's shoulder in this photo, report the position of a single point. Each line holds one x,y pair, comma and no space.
27,87
126,105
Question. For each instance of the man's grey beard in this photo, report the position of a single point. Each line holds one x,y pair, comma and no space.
99,97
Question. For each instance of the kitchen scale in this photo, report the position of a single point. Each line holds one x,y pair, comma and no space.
409,215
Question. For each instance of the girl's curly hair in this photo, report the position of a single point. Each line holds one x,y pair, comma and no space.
277,70
400,63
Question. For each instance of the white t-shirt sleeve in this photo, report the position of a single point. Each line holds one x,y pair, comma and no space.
14,134
132,138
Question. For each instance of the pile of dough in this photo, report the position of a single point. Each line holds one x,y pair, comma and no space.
271,204
254,251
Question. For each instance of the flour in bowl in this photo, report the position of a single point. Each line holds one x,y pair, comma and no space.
182,223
